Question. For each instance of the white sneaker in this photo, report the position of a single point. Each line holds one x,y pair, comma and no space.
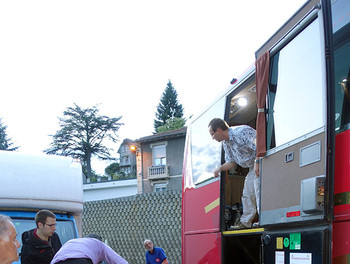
256,224
240,225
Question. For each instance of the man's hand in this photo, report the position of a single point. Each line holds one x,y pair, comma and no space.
256,168
217,172
224,167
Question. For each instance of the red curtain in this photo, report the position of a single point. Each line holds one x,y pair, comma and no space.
262,65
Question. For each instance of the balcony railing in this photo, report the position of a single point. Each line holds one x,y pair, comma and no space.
125,163
158,172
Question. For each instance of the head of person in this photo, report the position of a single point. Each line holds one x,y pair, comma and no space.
148,244
218,129
45,221
94,236
8,241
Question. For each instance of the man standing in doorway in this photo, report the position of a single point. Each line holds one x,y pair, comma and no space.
240,148
41,244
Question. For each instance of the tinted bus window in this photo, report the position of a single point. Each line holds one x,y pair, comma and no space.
295,88
341,29
206,152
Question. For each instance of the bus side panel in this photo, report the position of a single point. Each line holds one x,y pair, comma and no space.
341,242
307,245
342,179
202,248
201,209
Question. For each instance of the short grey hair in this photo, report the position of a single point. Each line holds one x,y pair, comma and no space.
4,224
146,241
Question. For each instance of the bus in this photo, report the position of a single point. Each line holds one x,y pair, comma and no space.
297,97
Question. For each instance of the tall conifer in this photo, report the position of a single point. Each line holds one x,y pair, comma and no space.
168,108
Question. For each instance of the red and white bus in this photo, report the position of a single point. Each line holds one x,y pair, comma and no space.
298,100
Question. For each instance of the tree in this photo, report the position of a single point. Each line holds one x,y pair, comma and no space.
5,142
172,124
82,134
112,168
168,108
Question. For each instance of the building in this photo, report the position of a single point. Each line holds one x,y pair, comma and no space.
108,187
159,159
96,191
127,162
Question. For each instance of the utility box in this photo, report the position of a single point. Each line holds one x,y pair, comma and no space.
312,195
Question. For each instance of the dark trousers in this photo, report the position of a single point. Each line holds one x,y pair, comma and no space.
76,261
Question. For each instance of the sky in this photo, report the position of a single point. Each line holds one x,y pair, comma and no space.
120,55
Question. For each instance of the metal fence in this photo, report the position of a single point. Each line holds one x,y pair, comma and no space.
124,223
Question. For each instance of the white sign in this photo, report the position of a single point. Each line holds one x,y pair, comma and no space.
279,257
300,258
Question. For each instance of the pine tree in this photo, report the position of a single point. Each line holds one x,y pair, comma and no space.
168,108
5,142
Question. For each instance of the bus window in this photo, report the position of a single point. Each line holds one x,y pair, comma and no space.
341,28
242,109
206,152
295,96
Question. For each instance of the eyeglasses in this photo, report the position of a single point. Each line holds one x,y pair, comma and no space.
51,225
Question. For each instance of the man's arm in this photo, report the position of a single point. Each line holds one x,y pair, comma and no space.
224,167
111,256
165,261
256,167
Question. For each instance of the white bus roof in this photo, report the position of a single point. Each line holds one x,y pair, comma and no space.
40,181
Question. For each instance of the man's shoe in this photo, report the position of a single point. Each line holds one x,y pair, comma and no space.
239,226
256,225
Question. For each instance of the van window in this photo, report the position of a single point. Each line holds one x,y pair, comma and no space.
295,96
65,229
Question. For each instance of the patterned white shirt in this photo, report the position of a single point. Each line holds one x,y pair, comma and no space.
241,147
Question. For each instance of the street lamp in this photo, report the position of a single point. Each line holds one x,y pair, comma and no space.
136,148
133,148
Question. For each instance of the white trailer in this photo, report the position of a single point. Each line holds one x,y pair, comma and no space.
29,183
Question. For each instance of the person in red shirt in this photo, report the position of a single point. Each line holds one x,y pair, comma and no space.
154,255
41,244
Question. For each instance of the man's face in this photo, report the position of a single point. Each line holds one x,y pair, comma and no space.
48,228
9,245
217,135
149,246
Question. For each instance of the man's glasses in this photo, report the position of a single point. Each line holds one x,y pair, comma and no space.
212,134
51,225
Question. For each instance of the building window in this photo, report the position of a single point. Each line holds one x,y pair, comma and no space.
160,187
159,155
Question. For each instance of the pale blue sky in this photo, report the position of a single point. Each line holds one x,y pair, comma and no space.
121,54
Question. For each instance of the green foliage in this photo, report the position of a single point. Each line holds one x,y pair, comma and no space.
5,142
112,168
82,134
168,108
93,179
122,176
172,124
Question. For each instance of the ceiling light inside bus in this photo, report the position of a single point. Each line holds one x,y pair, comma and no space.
242,101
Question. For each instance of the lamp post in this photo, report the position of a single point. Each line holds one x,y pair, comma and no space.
136,148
